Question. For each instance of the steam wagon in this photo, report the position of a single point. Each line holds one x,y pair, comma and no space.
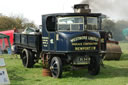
66,39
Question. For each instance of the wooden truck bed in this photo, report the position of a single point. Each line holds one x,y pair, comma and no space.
30,41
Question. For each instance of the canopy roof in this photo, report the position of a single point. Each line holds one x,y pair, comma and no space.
3,36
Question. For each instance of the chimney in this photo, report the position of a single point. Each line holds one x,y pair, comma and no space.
82,8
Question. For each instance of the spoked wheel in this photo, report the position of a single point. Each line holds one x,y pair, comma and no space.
94,66
56,67
27,58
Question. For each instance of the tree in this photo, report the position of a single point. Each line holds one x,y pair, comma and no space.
108,25
8,23
114,27
120,25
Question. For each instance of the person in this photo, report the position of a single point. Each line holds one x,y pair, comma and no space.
15,30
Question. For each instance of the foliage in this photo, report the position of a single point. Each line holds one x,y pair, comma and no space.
108,25
8,23
115,27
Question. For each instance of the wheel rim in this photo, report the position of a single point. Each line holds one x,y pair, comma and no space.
24,59
54,68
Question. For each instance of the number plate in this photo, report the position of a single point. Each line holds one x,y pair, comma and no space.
81,60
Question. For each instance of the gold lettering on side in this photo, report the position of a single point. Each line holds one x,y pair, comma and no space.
45,45
80,44
102,40
89,43
45,38
93,38
84,38
45,41
79,38
84,48
77,44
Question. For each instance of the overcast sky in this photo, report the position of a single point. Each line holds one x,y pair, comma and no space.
33,9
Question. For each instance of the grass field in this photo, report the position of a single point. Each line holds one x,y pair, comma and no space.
114,73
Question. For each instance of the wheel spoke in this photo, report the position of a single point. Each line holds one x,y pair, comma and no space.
55,63
55,68
55,72
24,57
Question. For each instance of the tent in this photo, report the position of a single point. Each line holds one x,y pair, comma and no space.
9,33
5,43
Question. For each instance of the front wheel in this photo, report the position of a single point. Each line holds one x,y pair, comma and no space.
94,66
56,67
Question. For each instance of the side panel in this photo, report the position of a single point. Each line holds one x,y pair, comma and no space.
52,41
61,44
31,41
45,38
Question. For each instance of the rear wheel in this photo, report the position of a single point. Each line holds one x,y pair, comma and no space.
27,58
94,66
56,67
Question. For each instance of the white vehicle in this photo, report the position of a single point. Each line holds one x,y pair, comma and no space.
30,30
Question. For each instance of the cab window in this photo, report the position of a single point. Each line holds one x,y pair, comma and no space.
51,23
70,23
92,23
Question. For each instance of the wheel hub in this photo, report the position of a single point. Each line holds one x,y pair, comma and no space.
51,67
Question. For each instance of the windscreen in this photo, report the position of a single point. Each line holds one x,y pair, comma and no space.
92,23
71,23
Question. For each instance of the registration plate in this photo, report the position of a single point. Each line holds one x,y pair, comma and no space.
81,60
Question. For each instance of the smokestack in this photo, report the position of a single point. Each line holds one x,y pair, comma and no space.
82,8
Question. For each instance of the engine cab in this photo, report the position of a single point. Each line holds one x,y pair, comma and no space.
73,32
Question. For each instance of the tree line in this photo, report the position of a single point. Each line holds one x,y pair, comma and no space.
115,27
9,22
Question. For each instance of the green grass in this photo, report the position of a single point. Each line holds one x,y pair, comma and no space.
114,73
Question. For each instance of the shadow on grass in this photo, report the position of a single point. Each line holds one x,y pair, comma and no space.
107,72
14,76
124,56
38,66
111,71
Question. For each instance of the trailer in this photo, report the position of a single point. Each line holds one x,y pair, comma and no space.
74,39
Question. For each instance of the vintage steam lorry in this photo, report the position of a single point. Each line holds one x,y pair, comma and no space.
66,39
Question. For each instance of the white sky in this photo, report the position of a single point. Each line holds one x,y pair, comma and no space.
33,9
